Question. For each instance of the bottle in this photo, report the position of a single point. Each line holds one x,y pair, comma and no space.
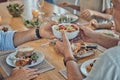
28,6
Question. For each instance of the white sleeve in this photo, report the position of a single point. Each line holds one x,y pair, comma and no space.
104,69
106,4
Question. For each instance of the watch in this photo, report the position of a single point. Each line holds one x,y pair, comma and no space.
65,60
37,33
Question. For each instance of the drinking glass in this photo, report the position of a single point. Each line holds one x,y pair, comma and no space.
40,4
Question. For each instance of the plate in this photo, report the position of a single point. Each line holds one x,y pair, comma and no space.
108,32
88,53
83,66
67,18
10,61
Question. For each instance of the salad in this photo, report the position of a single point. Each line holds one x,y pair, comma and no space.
67,28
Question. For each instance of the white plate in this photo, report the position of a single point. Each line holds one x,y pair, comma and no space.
73,17
83,66
88,53
11,61
104,31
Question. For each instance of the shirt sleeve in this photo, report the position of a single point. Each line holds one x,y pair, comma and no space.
106,5
105,67
6,40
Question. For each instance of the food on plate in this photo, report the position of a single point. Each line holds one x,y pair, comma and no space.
25,51
5,29
27,60
25,56
65,19
89,67
32,23
71,30
83,48
67,28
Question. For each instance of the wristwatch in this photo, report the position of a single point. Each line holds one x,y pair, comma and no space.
65,60
37,33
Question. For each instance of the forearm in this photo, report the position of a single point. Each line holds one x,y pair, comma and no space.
73,71
24,36
74,7
106,41
105,26
103,15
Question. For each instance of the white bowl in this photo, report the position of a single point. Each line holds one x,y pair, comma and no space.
70,35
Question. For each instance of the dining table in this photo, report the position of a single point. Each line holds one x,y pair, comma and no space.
50,52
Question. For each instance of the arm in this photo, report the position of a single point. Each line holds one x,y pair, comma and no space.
74,7
89,35
45,31
103,26
65,4
10,40
73,72
89,13
102,15
106,41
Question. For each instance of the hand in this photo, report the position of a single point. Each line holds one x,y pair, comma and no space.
46,29
86,14
65,46
63,4
23,74
88,35
93,24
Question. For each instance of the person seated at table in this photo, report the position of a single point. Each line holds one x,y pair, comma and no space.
11,39
94,9
106,66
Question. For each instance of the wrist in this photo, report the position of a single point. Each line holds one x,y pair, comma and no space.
37,32
67,59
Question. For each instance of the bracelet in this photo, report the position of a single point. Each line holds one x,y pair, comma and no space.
37,33
65,60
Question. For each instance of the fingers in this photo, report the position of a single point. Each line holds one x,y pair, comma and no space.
64,37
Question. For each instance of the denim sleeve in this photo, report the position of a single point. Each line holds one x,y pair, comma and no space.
6,40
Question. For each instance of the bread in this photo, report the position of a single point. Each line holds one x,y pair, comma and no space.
24,52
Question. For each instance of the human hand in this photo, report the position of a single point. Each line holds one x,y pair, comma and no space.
64,47
63,4
93,24
86,14
46,29
23,74
87,34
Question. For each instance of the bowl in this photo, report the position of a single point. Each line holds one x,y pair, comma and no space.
15,9
70,29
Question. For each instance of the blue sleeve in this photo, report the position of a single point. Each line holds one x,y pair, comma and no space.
6,40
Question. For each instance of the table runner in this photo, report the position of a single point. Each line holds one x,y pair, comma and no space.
43,66
64,72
